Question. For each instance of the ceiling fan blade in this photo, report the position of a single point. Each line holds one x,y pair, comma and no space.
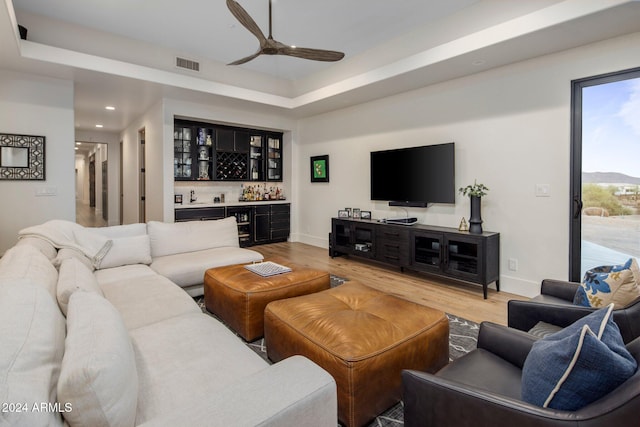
245,19
313,54
246,59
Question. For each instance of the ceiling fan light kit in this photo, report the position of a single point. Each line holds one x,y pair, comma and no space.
269,46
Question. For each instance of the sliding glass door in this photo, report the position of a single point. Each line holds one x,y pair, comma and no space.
605,181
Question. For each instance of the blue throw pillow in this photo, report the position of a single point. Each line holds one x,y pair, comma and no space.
577,365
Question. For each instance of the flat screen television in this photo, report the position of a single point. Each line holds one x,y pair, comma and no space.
414,176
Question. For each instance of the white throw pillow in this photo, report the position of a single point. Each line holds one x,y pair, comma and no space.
98,378
74,276
127,251
66,253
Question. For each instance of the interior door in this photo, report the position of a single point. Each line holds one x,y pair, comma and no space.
605,181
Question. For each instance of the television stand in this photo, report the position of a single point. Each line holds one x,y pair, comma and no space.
440,251
401,221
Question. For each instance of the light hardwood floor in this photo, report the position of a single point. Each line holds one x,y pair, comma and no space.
87,216
460,299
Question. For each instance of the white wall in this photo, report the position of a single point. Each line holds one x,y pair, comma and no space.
151,122
35,105
511,127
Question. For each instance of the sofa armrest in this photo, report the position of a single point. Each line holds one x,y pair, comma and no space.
559,289
509,344
430,400
524,315
294,391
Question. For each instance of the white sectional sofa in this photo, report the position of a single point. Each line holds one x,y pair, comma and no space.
106,337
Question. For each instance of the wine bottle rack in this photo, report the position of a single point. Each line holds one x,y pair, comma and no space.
231,166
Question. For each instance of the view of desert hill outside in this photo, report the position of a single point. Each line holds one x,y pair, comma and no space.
610,173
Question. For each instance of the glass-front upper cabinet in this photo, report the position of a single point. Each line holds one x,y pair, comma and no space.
274,157
204,153
182,154
256,157
210,152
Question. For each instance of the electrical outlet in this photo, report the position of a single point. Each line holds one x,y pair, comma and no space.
513,264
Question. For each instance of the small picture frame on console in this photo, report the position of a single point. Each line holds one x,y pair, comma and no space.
365,214
343,213
356,213
177,199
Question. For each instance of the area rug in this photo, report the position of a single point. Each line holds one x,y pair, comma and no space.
463,337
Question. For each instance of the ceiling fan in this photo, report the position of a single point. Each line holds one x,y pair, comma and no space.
269,46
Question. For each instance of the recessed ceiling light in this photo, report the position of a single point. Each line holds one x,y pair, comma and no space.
110,108
76,148
99,126
78,143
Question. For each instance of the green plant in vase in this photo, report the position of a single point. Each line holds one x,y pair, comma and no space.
475,193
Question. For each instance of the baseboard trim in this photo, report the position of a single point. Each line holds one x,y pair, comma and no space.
310,240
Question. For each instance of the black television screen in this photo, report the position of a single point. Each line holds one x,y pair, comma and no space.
414,176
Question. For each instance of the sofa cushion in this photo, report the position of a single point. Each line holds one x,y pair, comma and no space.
187,269
617,284
32,330
126,272
98,376
167,352
191,236
148,299
74,276
26,264
118,231
578,365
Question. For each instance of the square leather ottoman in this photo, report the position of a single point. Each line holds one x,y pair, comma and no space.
364,338
238,296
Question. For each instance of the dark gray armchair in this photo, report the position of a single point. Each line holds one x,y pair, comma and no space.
555,306
483,388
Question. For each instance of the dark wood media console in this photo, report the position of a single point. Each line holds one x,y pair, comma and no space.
441,251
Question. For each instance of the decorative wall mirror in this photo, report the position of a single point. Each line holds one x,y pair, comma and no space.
22,157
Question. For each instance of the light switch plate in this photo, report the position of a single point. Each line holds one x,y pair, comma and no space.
543,190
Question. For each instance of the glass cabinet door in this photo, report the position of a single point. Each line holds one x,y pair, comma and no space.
463,258
427,251
204,153
274,158
256,158
182,155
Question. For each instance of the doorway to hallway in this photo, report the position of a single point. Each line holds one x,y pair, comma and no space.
91,184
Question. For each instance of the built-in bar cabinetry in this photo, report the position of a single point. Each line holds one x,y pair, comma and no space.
435,250
257,223
211,152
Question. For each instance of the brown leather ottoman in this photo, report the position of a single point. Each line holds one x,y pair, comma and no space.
364,338
238,296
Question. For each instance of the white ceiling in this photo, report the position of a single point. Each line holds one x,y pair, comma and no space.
122,52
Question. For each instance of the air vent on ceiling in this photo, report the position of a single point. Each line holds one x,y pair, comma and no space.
187,64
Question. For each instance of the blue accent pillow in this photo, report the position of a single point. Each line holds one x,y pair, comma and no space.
577,365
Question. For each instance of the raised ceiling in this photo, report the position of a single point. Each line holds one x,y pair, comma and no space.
123,52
